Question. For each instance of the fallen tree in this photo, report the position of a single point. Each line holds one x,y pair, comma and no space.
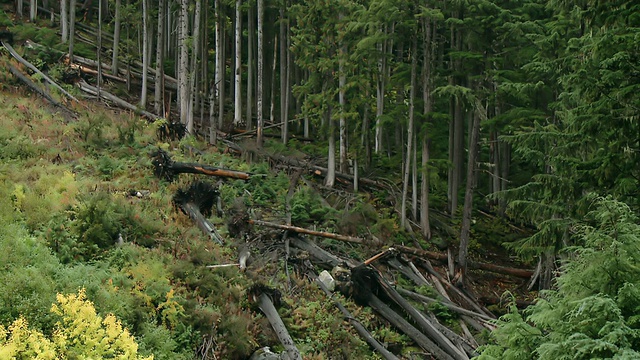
522,273
40,91
266,299
197,202
34,69
300,230
165,168
84,86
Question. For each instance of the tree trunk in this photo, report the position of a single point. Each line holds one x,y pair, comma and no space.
342,82
479,113
72,25
260,89
271,313
33,10
116,39
220,65
410,126
145,52
19,7
237,116
250,64
158,98
283,77
195,63
183,71
331,161
426,141
64,20
99,49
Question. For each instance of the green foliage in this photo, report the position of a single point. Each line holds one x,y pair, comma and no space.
80,332
590,315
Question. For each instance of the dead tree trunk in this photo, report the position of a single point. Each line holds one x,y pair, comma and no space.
265,297
167,168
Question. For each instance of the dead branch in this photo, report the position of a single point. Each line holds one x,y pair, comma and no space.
265,297
166,168
40,91
300,230
522,273
364,333
34,69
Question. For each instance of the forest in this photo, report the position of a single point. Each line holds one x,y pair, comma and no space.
346,179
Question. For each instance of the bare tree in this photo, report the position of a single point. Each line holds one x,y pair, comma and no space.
72,25
158,98
410,126
237,115
260,90
250,64
116,39
33,10
183,71
64,19
145,52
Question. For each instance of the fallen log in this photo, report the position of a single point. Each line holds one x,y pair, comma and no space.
34,69
326,259
522,273
449,305
265,297
366,274
300,230
165,168
84,86
40,91
364,333
403,325
196,202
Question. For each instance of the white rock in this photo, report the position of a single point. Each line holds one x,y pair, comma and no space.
327,280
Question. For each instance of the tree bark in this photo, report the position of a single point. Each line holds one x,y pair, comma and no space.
331,161
220,65
342,82
250,65
195,63
116,39
64,20
407,167
72,25
265,304
158,98
425,223
33,10
38,90
183,78
203,224
237,116
260,85
145,52
480,112
300,230
283,77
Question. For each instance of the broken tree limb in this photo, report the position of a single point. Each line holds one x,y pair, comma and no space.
40,91
34,69
364,333
522,273
84,86
446,304
197,202
325,259
167,168
300,230
265,297
366,273
403,325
